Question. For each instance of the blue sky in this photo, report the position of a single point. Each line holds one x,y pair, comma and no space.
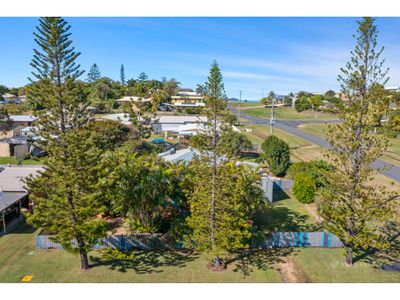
280,54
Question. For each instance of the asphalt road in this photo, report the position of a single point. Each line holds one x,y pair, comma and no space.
386,168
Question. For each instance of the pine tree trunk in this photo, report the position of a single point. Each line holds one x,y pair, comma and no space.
349,257
216,262
83,254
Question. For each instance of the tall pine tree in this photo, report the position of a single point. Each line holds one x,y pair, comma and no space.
64,196
352,207
94,74
122,75
220,199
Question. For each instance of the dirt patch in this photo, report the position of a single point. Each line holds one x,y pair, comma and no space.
290,272
312,209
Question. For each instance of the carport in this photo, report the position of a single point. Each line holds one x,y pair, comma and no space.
10,204
13,194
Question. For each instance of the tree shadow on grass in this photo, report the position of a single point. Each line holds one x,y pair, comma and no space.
21,228
259,259
144,262
269,218
280,195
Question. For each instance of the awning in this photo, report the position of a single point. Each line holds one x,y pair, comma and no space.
9,198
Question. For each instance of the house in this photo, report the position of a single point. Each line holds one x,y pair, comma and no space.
120,117
9,97
10,132
174,156
134,101
172,123
15,146
13,193
23,120
392,88
187,98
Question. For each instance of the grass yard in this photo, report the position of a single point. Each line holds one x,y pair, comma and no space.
245,104
327,265
19,257
392,155
288,113
301,149
14,161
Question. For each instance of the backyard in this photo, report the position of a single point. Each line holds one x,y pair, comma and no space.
19,257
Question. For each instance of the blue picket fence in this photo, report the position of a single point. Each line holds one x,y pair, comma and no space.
158,241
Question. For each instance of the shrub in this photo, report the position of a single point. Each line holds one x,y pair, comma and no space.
277,154
302,103
304,188
315,169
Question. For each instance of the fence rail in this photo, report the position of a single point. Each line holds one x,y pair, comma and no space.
159,241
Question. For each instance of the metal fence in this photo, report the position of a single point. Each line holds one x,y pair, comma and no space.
158,241
303,239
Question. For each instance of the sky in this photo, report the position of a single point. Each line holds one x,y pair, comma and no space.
255,54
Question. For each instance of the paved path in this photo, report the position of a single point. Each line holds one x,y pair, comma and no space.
291,127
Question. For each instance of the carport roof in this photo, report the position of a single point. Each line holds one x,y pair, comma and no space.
9,198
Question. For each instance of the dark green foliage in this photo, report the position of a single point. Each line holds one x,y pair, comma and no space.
94,74
222,194
304,188
144,189
392,126
108,135
302,103
234,142
316,169
3,90
66,194
103,92
288,101
5,121
277,155
122,75
235,196
353,208
330,96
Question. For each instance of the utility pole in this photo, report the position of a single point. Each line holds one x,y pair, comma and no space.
240,101
272,119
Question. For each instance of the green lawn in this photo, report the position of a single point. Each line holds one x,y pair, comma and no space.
19,257
288,113
245,104
14,161
392,155
327,265
301,150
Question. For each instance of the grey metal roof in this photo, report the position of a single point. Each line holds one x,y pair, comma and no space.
11,177
23,118
9,198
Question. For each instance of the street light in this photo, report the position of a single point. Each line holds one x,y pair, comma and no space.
272,118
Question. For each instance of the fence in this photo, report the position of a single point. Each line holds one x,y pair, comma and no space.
158,241
302,239
121,242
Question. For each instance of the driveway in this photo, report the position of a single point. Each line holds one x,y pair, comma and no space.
390,171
